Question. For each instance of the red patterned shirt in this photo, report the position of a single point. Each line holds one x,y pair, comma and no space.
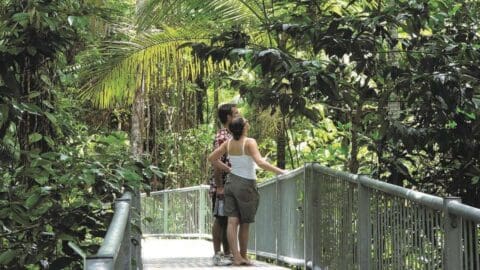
222,136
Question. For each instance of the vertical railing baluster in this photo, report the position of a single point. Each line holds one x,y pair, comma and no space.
202,212
277,208
364,228
476,246
165,213
453,237
308,212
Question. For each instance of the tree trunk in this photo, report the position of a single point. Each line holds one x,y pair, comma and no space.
281,145
137,151
137,122
353,163
215,106
200,95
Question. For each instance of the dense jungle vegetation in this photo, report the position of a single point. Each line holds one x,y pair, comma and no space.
102,96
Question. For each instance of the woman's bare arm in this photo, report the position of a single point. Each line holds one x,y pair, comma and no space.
215,156
252,147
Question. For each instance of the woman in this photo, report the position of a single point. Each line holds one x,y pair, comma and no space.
241,195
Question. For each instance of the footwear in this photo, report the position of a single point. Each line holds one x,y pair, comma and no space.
229,257
220,260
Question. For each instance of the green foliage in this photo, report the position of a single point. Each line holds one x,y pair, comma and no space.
70,197
183,156
359,58
57,180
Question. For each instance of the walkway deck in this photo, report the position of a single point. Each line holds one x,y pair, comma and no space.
186,254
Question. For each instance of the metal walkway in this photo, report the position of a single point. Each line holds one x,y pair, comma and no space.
186,254
313,218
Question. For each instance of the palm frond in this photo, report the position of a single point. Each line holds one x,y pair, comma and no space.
216,13
154,57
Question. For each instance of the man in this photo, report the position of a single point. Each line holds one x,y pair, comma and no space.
226,113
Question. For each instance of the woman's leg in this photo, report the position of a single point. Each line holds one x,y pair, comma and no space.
232,234
243,239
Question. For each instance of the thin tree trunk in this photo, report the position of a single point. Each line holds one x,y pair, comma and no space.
137,121
281,145
215,105
137,151
200,94
353,163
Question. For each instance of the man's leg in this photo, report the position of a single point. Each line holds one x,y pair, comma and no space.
224,224
243,239
216,235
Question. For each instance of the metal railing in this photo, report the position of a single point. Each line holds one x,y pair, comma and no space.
182,212
325,219
116,249
319,218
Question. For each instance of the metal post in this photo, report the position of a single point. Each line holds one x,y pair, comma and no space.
201,212
453,236
364,228
136,237
307,219
165,213
276,221
127,248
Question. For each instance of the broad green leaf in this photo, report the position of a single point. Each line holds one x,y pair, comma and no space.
32,200
475,180
49,141
41,179
20,218
129,175
46,80
48,104
34,137
34,94
32,267
52,118
43,207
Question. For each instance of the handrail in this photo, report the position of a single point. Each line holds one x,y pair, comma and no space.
419,197
434,202
176,190
464,211
116,241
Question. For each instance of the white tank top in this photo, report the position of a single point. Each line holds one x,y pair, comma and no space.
242,165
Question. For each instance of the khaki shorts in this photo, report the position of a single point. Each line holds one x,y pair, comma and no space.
241,198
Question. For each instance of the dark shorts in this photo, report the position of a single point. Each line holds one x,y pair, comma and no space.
221,219
241,198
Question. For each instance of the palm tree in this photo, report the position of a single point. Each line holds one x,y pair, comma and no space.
153,60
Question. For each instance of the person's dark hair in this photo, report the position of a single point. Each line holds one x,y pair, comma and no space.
236,127
224,111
